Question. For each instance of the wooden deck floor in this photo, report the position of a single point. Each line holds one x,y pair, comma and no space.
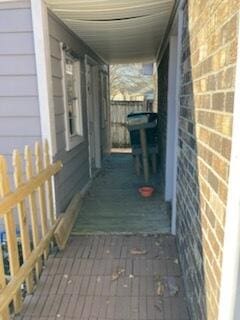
114,205
110,277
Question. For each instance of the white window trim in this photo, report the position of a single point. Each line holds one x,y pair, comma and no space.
72,141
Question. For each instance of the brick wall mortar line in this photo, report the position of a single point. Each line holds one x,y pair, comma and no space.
215,173
189,204
208,37
215,152
215,131
197,200
215,52
207,92
206,256
205,110
210,149
223,113
220,244
217,218
211,14
215,234
212,72
199,124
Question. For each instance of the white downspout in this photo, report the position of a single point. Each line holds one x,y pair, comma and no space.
229,308
178,80
171,117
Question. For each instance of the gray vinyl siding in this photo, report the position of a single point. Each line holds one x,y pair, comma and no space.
19,108
75,173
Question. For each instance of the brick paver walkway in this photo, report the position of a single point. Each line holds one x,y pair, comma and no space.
110,277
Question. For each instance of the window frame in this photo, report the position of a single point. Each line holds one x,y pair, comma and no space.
72,141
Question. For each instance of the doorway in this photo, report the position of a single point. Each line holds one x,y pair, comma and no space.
93,115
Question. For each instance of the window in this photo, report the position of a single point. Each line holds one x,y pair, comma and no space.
72,100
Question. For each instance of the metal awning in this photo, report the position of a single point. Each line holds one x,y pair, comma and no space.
120,31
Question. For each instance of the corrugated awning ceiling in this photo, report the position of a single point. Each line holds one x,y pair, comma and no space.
120,31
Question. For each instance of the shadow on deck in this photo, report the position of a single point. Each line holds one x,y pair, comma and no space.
114,205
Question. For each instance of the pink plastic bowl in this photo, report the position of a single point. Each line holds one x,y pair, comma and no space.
146,191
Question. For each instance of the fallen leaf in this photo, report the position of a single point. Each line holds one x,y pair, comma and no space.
160,288
172,286
173,290
158,306
157,277
117,274
138,252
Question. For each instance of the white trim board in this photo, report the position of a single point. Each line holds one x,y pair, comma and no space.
97,122
94,67
229,308
171,117
90,60
88,126
175,163
44,72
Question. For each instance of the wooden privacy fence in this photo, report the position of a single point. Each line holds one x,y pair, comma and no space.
119,110
30,203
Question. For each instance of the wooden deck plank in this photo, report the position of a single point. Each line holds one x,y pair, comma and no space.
114,199
79,307
74,287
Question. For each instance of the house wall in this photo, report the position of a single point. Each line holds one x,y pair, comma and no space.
208,67
19,108
75,172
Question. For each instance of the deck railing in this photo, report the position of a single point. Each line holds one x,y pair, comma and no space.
30,206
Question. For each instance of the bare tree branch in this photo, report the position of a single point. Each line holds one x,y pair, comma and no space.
129,80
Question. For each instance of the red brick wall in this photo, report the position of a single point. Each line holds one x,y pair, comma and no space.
208,66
